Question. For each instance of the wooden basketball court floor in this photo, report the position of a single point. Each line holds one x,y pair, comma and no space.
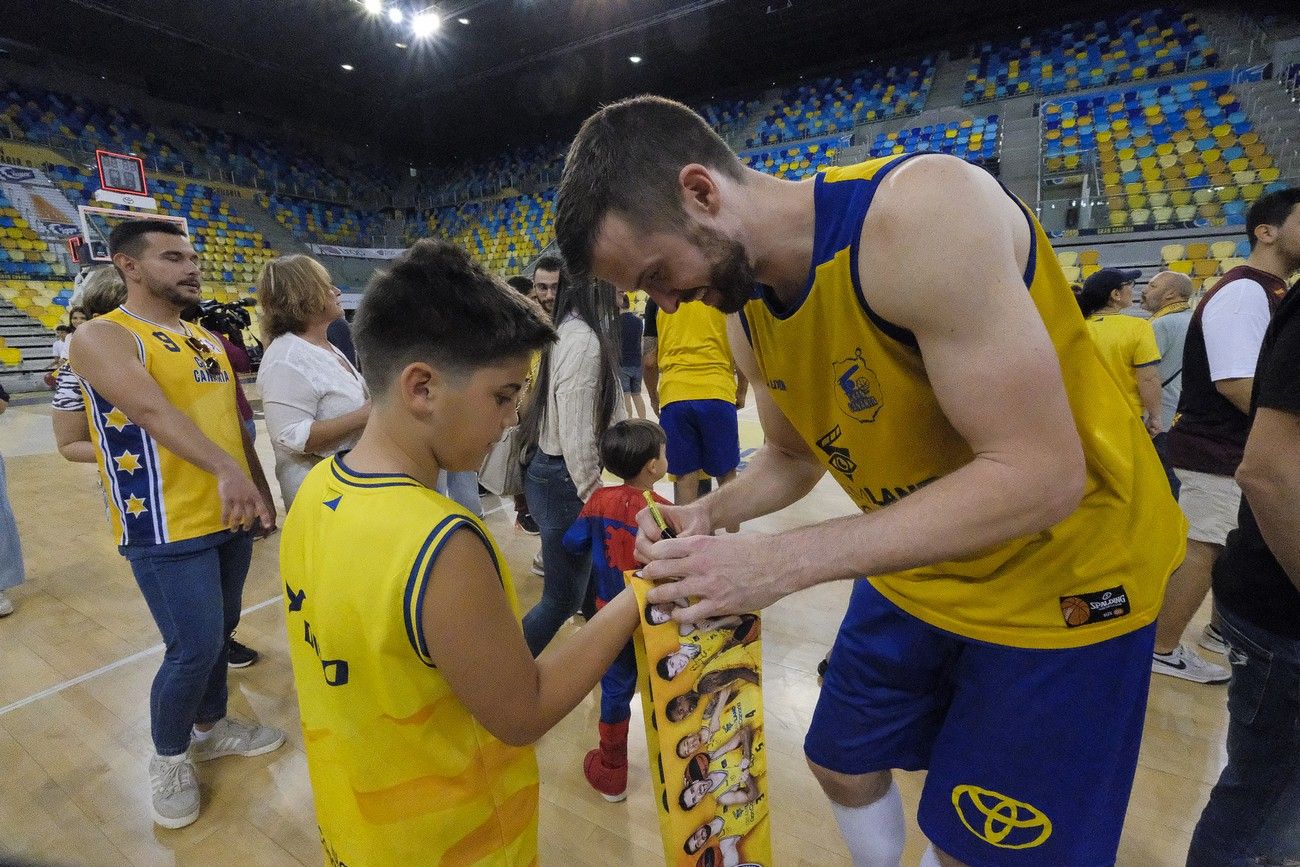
77,658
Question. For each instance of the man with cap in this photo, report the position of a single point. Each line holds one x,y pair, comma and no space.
1208,438
1165,299
1126,343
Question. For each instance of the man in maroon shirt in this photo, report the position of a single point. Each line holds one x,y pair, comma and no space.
1209,433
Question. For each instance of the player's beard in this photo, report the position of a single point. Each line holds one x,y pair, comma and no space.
169,292
731,276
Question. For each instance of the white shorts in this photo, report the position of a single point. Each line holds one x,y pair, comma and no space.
1210,503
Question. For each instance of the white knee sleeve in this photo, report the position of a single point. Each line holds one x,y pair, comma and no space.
874,833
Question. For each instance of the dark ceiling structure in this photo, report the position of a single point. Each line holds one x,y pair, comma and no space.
519,70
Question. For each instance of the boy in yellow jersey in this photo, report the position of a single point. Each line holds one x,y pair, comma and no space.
906,326
175,463
419,697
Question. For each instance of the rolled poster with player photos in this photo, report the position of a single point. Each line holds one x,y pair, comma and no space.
702,697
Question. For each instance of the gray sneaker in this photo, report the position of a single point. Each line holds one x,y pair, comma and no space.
1187,665
230,737
175,791
6,607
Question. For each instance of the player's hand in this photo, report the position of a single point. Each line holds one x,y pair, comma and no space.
1154,427
721,574
692,520
263,529
242,503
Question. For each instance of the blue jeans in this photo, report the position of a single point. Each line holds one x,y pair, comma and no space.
463,488
554,504
1253,816
193,591
11,549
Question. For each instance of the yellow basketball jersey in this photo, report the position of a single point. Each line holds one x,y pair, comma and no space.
854,386
155,496
694,355
401,771
1124,343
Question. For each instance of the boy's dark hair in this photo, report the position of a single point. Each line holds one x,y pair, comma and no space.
436,304
127,237
1270,210
62,329
629,445
626,159
520,284
549,263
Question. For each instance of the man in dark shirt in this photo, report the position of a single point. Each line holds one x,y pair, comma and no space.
1254,811
1209,432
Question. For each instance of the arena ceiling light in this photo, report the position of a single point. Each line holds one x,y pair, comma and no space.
425,24
635,58
395,15
348,67
374,7
463,20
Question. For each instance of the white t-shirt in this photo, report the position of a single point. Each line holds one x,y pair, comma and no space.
60,348
302,383
1234,322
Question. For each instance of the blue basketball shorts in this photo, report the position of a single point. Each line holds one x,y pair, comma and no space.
1031,753
702,435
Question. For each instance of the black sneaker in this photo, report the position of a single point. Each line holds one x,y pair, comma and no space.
526,523
239,656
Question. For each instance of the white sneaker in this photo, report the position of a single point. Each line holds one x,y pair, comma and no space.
6,607
175,790
538,569
1212,640
230,737
1187,665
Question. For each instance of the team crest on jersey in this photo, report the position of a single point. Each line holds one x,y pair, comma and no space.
857,388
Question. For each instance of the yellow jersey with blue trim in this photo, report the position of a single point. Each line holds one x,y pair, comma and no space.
854,385
401,771
694,354
154,495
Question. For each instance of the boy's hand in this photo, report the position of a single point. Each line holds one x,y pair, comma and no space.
692,520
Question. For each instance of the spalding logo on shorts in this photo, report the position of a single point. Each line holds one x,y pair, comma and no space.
1000,821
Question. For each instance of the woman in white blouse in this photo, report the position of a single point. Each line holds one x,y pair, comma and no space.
316,402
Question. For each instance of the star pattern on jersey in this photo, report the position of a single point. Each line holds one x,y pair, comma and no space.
135,506
127,462
116,419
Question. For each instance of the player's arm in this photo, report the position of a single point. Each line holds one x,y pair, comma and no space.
946,247
106,357
72,436
474,639
780,473
650,370
259,477
1149,388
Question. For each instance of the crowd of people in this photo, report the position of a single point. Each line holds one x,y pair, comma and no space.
1119,450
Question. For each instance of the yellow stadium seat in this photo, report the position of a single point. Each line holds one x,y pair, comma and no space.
1172,252
1067,257
1223,249
1089,257
1182,266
